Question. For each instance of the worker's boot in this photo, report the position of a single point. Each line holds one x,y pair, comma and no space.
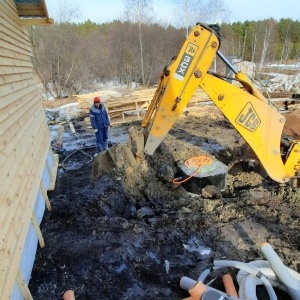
105,146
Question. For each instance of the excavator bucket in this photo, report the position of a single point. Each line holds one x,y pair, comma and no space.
118,156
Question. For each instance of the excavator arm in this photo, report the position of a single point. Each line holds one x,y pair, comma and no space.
257,120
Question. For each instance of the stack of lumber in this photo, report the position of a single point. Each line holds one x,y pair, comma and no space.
132,105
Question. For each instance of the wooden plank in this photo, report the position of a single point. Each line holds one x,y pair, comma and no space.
9,13
10,89
37,229
12,195
14,97
14,54
4,70
53,172
6,61
23,286
14,39
31,12
36,22
11,21
12,124
11,260
12,5
26,6
16,33
44,192
11,78
14,134
72,127
10,168
5,43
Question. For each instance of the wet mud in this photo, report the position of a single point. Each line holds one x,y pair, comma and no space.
132,234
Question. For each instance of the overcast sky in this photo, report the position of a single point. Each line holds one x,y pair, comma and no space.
101,11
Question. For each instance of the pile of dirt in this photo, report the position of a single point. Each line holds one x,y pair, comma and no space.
133,233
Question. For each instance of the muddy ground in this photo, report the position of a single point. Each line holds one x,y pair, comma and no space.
133,235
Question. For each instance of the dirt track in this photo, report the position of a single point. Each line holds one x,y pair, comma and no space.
131,236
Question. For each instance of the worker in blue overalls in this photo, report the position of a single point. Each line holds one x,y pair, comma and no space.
100,122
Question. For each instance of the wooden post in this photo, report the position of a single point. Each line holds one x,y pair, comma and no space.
44,192
37,229
72,127
23,286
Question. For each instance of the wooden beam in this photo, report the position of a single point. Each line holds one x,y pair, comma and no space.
72,128
37,229
53,172
44,192
37,22
31,12
23,286
23,6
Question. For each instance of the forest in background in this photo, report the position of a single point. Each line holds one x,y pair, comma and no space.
69,56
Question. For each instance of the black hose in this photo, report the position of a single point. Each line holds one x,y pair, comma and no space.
74,152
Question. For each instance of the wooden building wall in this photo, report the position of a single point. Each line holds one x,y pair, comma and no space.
25,151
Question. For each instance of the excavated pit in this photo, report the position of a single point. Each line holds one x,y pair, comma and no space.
133,233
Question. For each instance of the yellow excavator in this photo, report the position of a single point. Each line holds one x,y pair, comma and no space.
258,121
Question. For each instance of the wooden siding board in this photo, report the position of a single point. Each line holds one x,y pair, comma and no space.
13,34
12,4
16,107
11,17
14,196
10,78
4,61
12,168
12,37
7,89
5,70
11,260
6,101
24,143
15,134
5,43
5,52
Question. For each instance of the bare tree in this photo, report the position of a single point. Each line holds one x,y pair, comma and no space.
269,28
286,46
189,12
186,14
67,11
139,12
254,42
216,11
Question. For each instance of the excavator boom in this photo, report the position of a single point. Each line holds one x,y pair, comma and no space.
252,115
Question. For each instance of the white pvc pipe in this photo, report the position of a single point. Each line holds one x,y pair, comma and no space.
187,283
265,268
251,270
247,287
203,275
291,284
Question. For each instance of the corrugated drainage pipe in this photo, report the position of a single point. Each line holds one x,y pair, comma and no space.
291,284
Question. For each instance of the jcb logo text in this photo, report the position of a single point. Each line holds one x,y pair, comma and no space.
248,118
